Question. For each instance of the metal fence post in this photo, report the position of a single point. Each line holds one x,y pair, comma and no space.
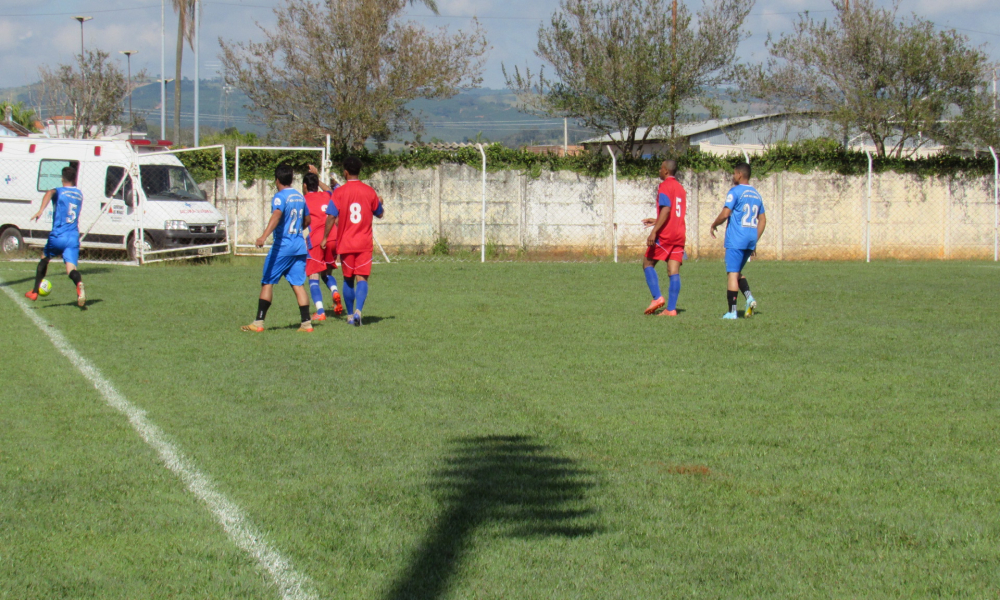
868,212
996,204
614,208
482,246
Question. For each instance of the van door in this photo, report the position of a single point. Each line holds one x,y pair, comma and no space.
117,208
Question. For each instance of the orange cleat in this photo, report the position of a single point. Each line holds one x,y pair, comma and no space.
81,295
256,327
319,317
668,313
306,327
31,295
655,305
338,308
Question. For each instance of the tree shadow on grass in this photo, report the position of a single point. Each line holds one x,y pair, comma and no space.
510,483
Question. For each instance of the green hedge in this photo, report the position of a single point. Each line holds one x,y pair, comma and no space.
812,155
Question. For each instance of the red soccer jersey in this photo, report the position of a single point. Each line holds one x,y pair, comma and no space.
317,202
357,203
674,233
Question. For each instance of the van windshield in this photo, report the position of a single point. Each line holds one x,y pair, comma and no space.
169,182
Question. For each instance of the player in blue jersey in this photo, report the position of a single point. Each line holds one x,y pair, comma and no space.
287,257
744,210
64,239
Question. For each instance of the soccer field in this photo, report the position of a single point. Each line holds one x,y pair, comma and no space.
514,430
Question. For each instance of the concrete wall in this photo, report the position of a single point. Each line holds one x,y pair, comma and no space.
809,216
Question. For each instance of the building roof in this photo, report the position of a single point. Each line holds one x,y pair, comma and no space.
682,130
14,129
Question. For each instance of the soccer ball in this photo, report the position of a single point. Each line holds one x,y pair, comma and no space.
45,287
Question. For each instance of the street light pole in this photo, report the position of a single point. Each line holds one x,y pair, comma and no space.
128,56
163,74
197,65
163,109
82,20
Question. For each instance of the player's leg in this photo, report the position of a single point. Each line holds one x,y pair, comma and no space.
734,257
296,276
347,265
71,256
674,272
362,271
40,271
330,257
316,291
270,276
745,288
652,279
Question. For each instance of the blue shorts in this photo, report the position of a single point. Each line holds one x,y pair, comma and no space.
292,268
736,259
67,248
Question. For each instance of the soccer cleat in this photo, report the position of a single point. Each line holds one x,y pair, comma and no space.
751,307
668,313
655,305
350,319
306,327
31,295
338,308
256,327
319,317
357,318
730,315
81,296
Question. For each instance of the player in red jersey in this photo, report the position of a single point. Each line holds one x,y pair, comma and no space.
666,241
356,204
322,259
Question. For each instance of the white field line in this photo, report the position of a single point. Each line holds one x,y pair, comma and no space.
293,585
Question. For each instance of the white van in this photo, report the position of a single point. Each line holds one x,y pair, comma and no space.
127,189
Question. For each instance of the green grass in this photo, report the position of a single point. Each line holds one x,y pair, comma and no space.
514,431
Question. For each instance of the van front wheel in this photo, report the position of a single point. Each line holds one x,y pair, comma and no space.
133,246
11,241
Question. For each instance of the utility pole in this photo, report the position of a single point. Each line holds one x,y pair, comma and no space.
197,60
128,56
994,90
163,68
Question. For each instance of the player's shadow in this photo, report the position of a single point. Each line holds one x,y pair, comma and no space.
90,302
509,484
371,320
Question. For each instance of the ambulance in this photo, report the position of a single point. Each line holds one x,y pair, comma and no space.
136,198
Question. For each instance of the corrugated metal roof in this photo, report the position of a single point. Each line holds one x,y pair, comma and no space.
683,130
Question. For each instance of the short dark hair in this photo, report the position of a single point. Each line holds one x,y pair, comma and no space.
311,181
743,168
284,174
69,174
352,164
671,166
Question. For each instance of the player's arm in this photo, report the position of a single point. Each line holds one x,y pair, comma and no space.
661,221
315,171
331,222
379,209
272,224
719,220
45,203
761,224
306,220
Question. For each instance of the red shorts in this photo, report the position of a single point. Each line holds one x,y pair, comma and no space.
356,263
659,252
319,259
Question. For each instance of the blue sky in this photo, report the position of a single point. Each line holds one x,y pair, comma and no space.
42,32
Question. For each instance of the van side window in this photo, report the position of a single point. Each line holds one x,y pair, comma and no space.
50,173
112,179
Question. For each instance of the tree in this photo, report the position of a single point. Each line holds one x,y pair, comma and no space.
93,92
869,73
185,31
20,114
347,68
624,64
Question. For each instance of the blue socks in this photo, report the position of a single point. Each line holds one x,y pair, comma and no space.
349,295
331,283
675,290
362,294
317,295
653,282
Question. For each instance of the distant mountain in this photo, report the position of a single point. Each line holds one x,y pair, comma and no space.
485,114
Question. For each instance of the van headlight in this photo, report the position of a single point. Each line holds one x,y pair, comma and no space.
175,225
220,225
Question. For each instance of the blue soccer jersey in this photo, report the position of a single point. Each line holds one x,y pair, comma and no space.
66,202
288,240
747,206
